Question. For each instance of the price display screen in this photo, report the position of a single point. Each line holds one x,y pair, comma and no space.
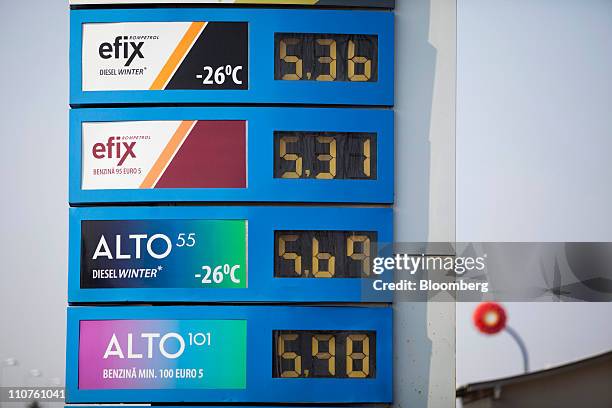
324,354
326,57
325,155
324,254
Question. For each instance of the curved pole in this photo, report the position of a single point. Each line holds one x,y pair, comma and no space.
521,345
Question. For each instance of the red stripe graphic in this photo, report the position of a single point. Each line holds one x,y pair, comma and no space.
212,156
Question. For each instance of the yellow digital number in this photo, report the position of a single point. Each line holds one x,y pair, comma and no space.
290,356
291,256
330,355
297,172
367,155
353,60
331,157
321,256
330,60
352,356
291,59
364,255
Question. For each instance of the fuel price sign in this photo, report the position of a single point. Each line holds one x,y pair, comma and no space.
208,354
228,153
231,55
205,254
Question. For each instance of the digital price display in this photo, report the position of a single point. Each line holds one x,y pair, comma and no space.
231,55
209,254
324,254
231,154
326,57
324,354
325,155
209,354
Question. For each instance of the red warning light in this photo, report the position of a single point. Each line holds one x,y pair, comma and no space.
489,318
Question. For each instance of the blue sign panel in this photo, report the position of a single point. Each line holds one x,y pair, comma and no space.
208,354
231,154
227,55
389,4
207,254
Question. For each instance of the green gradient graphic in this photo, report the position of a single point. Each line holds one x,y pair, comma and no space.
196,254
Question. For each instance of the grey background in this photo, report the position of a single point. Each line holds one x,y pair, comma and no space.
33,207
534,137
533,142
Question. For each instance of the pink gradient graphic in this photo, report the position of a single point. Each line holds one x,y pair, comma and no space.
218,363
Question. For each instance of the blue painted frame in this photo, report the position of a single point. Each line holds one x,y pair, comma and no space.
224,406
263,23
389,4
261,185
262,286
261,387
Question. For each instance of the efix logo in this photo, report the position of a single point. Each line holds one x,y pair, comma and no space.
114,148
121,48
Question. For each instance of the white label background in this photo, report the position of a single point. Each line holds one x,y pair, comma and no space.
147,151
156,53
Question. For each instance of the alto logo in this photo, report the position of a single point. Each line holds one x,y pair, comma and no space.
113,148
121,48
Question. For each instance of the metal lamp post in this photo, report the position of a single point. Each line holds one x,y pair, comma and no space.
490,318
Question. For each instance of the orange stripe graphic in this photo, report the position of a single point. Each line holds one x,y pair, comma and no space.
178,55
164,159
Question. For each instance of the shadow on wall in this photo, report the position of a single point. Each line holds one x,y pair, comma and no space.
415,65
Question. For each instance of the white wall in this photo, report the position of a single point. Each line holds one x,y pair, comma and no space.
425,191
